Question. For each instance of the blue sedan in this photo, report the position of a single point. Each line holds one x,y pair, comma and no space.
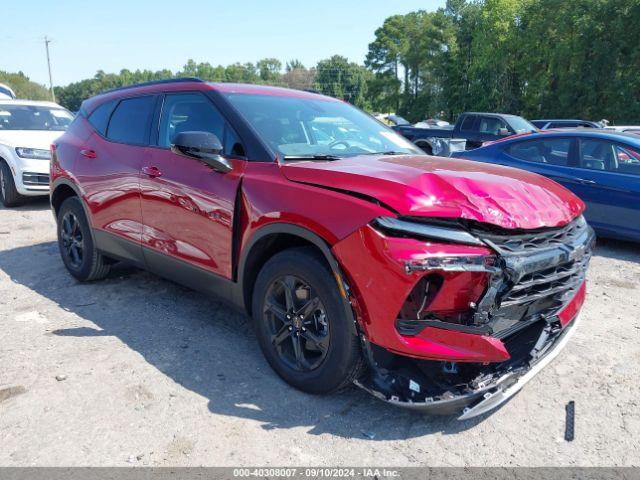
602,168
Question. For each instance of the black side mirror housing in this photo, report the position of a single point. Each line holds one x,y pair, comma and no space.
203,146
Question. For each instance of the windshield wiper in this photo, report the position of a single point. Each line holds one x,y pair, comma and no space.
312,157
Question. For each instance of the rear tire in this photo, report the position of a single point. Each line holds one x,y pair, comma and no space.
75,242
8,193
312,316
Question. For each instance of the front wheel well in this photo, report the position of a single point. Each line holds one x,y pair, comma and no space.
59,195
261,251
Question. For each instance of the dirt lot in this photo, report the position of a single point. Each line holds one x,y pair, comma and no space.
137,370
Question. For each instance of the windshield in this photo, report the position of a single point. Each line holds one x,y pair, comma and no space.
30,117
520,125
309,127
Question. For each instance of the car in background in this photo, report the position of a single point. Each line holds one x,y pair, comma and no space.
6,92
635,129
27,129
391,119
599,166
560,123
433,123
475,128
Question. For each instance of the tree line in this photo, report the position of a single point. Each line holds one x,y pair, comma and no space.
536,58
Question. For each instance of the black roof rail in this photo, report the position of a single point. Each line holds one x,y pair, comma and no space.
154,82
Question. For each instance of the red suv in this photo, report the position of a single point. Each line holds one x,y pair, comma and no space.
434,283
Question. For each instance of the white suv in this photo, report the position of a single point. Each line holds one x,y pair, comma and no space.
27,129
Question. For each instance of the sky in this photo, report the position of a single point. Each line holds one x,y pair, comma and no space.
109,35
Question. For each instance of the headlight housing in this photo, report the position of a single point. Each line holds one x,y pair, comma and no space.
439,233
399,227
33,153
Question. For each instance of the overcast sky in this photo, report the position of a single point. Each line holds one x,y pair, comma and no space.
115,34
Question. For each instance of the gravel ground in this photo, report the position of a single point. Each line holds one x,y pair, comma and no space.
134,370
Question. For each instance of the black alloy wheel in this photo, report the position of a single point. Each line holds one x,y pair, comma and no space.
302,322
75,242
72,240
297,322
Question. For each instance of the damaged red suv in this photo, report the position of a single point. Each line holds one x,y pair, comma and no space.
436,284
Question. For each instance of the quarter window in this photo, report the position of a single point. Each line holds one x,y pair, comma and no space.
552,151
130,121
99,118
597,155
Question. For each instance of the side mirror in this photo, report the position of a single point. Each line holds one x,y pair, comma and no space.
503,132
203,146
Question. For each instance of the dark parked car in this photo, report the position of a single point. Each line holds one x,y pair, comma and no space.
360,258
475,128
560,123
601,167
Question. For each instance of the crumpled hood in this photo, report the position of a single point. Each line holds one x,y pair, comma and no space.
29,138
446,188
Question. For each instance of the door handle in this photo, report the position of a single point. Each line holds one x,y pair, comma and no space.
151,171
88,153
584,181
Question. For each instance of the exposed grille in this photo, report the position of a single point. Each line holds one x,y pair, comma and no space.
508,242
41,179
542,272
548,282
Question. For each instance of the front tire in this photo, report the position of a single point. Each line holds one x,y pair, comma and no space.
78,252
8,193
301,323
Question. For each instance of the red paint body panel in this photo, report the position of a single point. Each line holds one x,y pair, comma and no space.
448,188
375,267
270,198
109,182
188,210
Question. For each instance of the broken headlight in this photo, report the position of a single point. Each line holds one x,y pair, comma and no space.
449,263
454,263
399,227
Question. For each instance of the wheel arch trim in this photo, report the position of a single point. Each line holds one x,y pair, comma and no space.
305,234
62,181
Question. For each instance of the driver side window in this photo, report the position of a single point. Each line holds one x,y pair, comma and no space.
187,112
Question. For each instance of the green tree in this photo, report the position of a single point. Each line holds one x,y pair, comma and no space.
269,70
23,87
339,78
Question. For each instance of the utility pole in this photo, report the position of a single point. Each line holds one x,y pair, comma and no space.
47,41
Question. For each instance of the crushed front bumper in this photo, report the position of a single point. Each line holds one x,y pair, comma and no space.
488,395
523,311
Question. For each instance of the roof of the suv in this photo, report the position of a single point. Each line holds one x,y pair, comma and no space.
182,84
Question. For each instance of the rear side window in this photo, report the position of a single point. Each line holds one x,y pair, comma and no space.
552,151
99,118
597,155
467,123
130,121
